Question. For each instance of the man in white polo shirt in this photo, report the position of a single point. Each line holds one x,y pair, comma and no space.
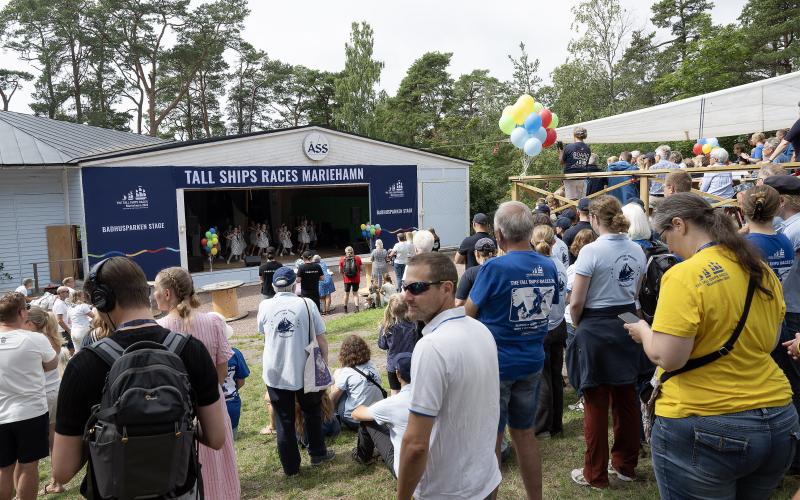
448,447
24,421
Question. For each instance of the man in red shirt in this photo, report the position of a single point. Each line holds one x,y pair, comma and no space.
350,267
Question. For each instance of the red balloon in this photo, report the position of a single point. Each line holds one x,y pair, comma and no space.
551,138
204,242
547,117
377,232
697,149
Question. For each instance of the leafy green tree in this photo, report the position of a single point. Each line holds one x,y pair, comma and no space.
245,95
355,87
686,21
525,79
773,30
11,81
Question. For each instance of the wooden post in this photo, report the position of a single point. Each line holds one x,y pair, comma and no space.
514,191
644,194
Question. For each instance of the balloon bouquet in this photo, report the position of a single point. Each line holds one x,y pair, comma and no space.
211,245
369,231
705,145
531,127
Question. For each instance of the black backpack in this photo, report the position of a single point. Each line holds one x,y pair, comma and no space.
141,437
659,260
350,269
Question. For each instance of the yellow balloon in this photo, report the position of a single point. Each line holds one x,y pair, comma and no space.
519,114
706,148
363,226
214,251
526,102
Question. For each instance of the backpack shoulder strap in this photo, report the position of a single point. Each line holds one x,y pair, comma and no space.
725,349
370,379
107,349
175,342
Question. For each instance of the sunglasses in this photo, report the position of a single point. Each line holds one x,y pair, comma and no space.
419,287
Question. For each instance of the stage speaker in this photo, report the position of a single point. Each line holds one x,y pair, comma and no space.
195,264
252,260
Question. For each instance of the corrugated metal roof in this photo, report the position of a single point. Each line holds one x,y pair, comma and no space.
34,140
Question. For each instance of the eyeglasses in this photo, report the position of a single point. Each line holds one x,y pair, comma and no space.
661,233
419,287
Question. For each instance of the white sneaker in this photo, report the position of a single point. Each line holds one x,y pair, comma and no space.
614,472
577,477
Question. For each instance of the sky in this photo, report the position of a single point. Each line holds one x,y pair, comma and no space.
479,34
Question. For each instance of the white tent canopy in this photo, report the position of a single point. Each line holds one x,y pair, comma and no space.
768,104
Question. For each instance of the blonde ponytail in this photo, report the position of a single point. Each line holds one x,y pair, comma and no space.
179,281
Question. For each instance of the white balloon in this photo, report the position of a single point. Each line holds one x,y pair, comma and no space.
519,136
533,146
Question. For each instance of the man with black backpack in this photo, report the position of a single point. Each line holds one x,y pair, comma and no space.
139,400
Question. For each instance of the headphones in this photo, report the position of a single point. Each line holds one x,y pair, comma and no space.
101,296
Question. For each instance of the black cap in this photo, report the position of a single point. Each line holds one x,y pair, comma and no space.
636,200
784,184
542,208
485,245
569,214
480,219
307,255
583,204
564,223
403,363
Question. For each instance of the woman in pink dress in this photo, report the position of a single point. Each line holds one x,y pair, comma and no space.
174,293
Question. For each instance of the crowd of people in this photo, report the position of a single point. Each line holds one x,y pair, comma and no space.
681,323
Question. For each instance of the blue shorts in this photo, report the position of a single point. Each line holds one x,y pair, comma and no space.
518,402
234,411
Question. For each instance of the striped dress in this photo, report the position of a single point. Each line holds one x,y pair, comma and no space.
220,475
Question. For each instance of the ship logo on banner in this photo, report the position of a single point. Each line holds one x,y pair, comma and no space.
396,190
134,200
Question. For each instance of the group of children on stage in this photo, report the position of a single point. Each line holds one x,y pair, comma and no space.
259,236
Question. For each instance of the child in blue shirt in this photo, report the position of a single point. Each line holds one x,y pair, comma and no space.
237,372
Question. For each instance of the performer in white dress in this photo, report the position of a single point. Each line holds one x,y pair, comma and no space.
312,235
263,239
237,244
302,237
286,240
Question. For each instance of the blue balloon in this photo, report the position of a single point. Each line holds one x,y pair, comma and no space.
540,134
713,141
533,122
533,146
701,140
213,230
518,137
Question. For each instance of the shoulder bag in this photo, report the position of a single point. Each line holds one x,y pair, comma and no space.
648,397
383,391
316,375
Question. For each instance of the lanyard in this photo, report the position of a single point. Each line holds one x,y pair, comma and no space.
707,245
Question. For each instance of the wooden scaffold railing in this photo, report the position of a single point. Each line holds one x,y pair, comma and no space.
520,184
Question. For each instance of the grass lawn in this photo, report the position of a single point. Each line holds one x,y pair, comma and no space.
262,477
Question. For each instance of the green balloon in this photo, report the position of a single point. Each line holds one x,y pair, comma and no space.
507,124
208,234
537,106
553,121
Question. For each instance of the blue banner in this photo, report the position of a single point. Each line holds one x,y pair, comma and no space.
132,210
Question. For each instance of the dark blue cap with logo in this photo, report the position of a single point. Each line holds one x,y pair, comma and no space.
403,363
284,276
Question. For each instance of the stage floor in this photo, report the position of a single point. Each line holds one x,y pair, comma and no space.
325,253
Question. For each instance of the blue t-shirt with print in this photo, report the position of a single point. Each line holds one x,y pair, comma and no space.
514,294
777,250
237,369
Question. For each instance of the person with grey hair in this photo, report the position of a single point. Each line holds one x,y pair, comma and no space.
663,162
25,289
718,183
287,323
423,241
769,147
575,158
512,296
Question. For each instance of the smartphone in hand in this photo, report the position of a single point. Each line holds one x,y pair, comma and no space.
559,145
629,318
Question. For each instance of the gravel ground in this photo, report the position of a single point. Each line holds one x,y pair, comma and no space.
250,298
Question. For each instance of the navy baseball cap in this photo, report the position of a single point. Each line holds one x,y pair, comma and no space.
543,208
284,276
583,204
784,184
564,223
480,219
485,245
569,214
403,363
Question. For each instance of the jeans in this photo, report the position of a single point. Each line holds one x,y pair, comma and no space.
625,416
550,411
399,269
372,436
733,456
283,405
518,400
790,367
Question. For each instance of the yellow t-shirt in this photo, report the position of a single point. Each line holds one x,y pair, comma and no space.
703,297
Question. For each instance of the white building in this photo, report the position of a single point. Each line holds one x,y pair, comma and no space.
152,199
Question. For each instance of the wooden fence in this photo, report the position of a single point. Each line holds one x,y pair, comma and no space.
524,183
